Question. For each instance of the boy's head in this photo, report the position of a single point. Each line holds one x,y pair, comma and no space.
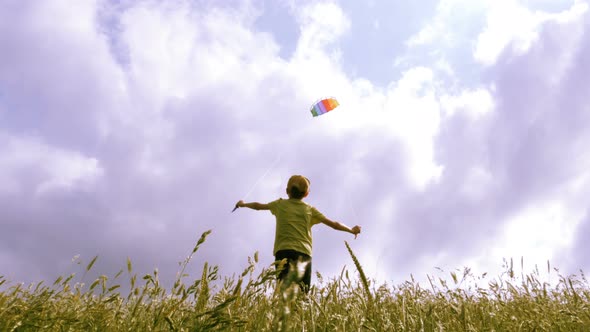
298,186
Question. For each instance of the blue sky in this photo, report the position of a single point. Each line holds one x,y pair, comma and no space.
129,128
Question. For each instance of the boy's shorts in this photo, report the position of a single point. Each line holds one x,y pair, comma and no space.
295,257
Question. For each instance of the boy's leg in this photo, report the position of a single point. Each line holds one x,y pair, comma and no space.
295,258
285,268
306,280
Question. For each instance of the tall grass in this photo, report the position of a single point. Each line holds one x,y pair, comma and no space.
249,302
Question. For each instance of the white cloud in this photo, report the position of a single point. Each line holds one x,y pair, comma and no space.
488,27
478,182
451,17
474,102
205,103
49,168
425,36
408,111
78,18
190,51
510,24
414,116
321,25
538,233
315,65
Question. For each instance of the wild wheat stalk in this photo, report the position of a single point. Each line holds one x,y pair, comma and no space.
364,280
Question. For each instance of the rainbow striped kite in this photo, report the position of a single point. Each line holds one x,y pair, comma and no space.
324,106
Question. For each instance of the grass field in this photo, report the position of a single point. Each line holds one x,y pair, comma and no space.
249,302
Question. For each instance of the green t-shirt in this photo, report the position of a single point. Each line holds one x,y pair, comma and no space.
294,221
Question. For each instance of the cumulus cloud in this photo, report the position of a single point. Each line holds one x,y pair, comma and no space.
127,130
510,24
56,169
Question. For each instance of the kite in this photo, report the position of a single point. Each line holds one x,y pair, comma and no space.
324,106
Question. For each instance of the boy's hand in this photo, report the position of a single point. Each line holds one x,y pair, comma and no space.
356,230
240,203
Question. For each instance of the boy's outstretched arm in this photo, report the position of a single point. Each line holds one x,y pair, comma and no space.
356,230
252,205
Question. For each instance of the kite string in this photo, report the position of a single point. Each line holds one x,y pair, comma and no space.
263,175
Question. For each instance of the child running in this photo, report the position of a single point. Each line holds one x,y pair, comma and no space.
294,219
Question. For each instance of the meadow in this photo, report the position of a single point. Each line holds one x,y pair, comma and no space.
250,302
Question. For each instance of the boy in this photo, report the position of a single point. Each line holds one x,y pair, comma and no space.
294,219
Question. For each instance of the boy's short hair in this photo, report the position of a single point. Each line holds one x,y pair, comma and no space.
298,186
